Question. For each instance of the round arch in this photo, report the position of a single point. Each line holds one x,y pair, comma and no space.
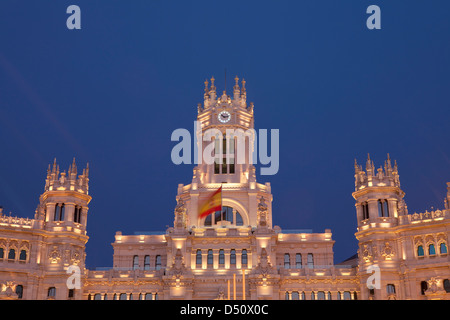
235,205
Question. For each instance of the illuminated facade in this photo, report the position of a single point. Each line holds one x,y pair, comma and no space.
237,253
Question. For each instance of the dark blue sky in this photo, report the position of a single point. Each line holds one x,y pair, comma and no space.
112,93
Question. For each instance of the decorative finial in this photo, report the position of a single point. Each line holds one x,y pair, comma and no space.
213,87
206,86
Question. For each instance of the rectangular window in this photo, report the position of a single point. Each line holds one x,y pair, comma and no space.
233,257
210,258
224,161
147,263
310,260
287,261
135,262
158,262
298,261
224,165
244,258
365,208
198,259
216,167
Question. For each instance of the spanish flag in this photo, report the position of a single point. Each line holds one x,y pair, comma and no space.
212,204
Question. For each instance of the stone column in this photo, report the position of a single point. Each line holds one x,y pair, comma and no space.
238,259
84,211
50,216
227,259
216,258
69,211
204,259
373,210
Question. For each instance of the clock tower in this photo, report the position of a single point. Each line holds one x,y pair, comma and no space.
225,147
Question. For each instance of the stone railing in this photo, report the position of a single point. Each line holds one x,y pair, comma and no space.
16,222
427,216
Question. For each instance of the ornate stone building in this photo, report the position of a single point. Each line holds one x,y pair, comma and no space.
236,253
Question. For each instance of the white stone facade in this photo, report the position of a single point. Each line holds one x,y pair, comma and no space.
237,254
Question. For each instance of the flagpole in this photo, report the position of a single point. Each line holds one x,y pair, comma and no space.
243,284
234,286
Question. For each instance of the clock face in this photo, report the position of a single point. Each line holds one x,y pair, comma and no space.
224,116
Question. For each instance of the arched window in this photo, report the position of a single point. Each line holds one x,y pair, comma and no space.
226,214
320,295
221,257
208,221
310,260
390,288
115,296
210,258
123,296
131,296
19,291
302,296
298,260
147,262
97,296
295,295
423,287
23,255
365,210
347,295
313,296
431,250
420,252
287,261
59,212
77,214
447,285
51,293
339,295
198,258
71,293
2,253
386,208
12,254
148,296
244,259
105,297
158,262
156,296
223,149
233,257
286,296
329,295
442,248
135,262
383,208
